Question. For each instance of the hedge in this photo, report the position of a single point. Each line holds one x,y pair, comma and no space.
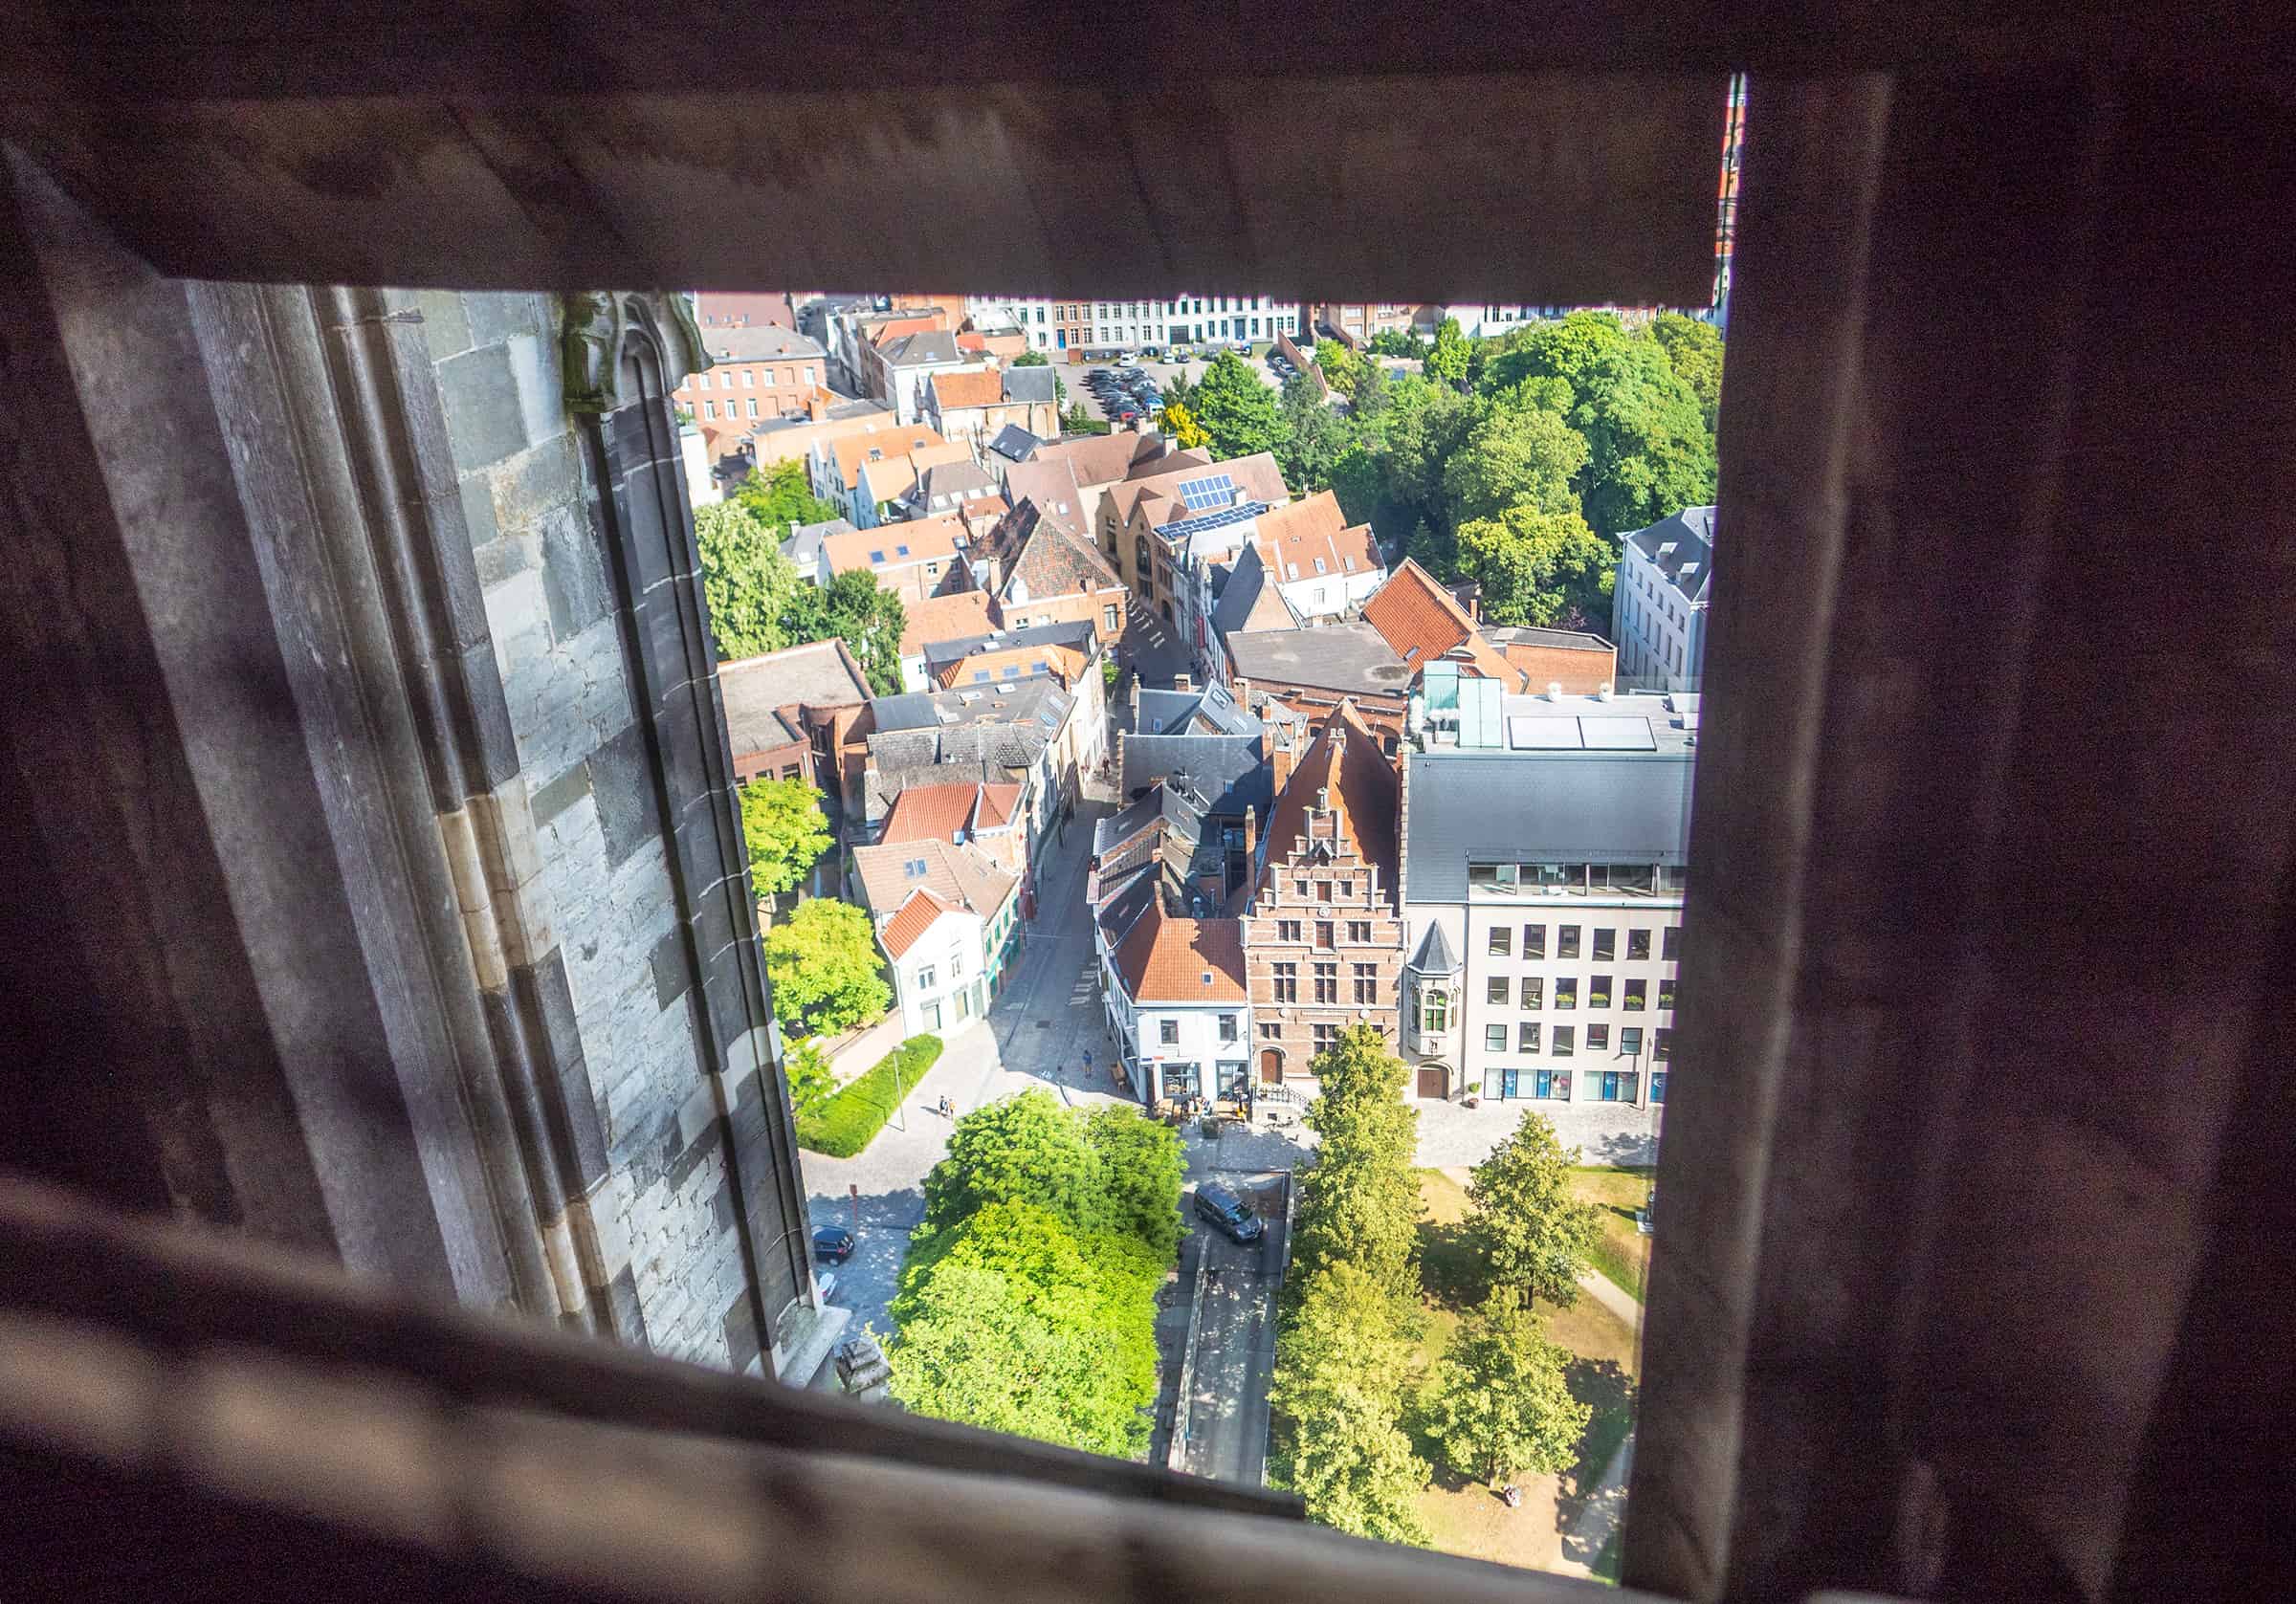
853,1115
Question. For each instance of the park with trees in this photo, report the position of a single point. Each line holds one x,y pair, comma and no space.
1420,1362
1515,461
1028,1301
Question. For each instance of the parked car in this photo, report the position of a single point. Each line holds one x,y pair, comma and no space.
1226,1211
832,1244
1125,359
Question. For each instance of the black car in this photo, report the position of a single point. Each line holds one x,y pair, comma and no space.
1225,1209
832,1244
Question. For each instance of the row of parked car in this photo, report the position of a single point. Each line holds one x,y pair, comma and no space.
1124,395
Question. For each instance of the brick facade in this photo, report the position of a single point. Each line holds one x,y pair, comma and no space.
1323,934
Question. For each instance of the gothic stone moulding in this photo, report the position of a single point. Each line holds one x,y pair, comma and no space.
598,327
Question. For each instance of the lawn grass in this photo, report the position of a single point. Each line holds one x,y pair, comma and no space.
849,1119
1468,1518
1621,1254
1606,1563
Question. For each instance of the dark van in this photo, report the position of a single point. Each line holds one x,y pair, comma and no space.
1225,1209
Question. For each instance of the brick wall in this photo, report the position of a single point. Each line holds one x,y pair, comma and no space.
1359,894
1581,673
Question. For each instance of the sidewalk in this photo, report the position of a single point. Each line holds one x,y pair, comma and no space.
852,1054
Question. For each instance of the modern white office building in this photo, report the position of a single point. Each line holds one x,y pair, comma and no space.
1545,861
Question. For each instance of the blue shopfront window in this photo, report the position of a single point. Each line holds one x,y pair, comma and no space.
1658,1087
1553,1085
1616,1086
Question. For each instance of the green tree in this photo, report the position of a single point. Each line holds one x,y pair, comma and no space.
1024,1149
1694,351
1236,409
1011,1321
1566,348
1514,455
1341,366
1499,1407
779,495
811,1078
1359,480
1179,391
1401,343
1341,1366
749,588
1649,451
1312,437
870,619
1539,567
1181,428
1142,1163
1447,360
1533,1236
785,829
822,963
1359,1201
1031,359
1368,406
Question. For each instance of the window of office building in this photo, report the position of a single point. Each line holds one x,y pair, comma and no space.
1526,1037
1494,990
1501,941
1565,1041
1606,944
1494,1038
1566,941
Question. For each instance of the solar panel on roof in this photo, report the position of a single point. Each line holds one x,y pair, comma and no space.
1201,496
1543,735
1620,732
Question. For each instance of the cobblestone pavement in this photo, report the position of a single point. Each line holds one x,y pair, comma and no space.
1451,1134
1035,1035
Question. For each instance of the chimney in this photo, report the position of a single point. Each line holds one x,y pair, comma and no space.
1323,799
1181,682
817,406
1553,691
1603,694
1251,833
1243,691
1281,755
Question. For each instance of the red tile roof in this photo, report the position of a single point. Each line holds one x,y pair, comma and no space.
1292,538
915,918
937,812
945,618
1422,621
1345,759
952,390
1164,959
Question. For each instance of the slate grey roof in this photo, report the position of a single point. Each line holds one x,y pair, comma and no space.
1434,955
1532,634
1013,443
1228,772
1247,578
1130,821
803,547
1540,806
1343,657
1682,547
927,346
1030,385
759,342
1080,635
1122,902
952,478
1209,711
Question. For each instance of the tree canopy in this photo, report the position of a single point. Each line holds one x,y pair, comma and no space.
869,619
785,830
779,495
1341,366
1539,567
1236,409
822,963
1027,1302
1031,359
1532,1235
1446,360
1499,1407
755,595
1359,1201
1181,428
1338,1395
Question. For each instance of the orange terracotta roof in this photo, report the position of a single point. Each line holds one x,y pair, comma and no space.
929,813
1344,759
927,539
1064,663
947,618
968,389
970,341
998,805
893,328
1164,959
915,918
1292,539
852,450
1422,621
